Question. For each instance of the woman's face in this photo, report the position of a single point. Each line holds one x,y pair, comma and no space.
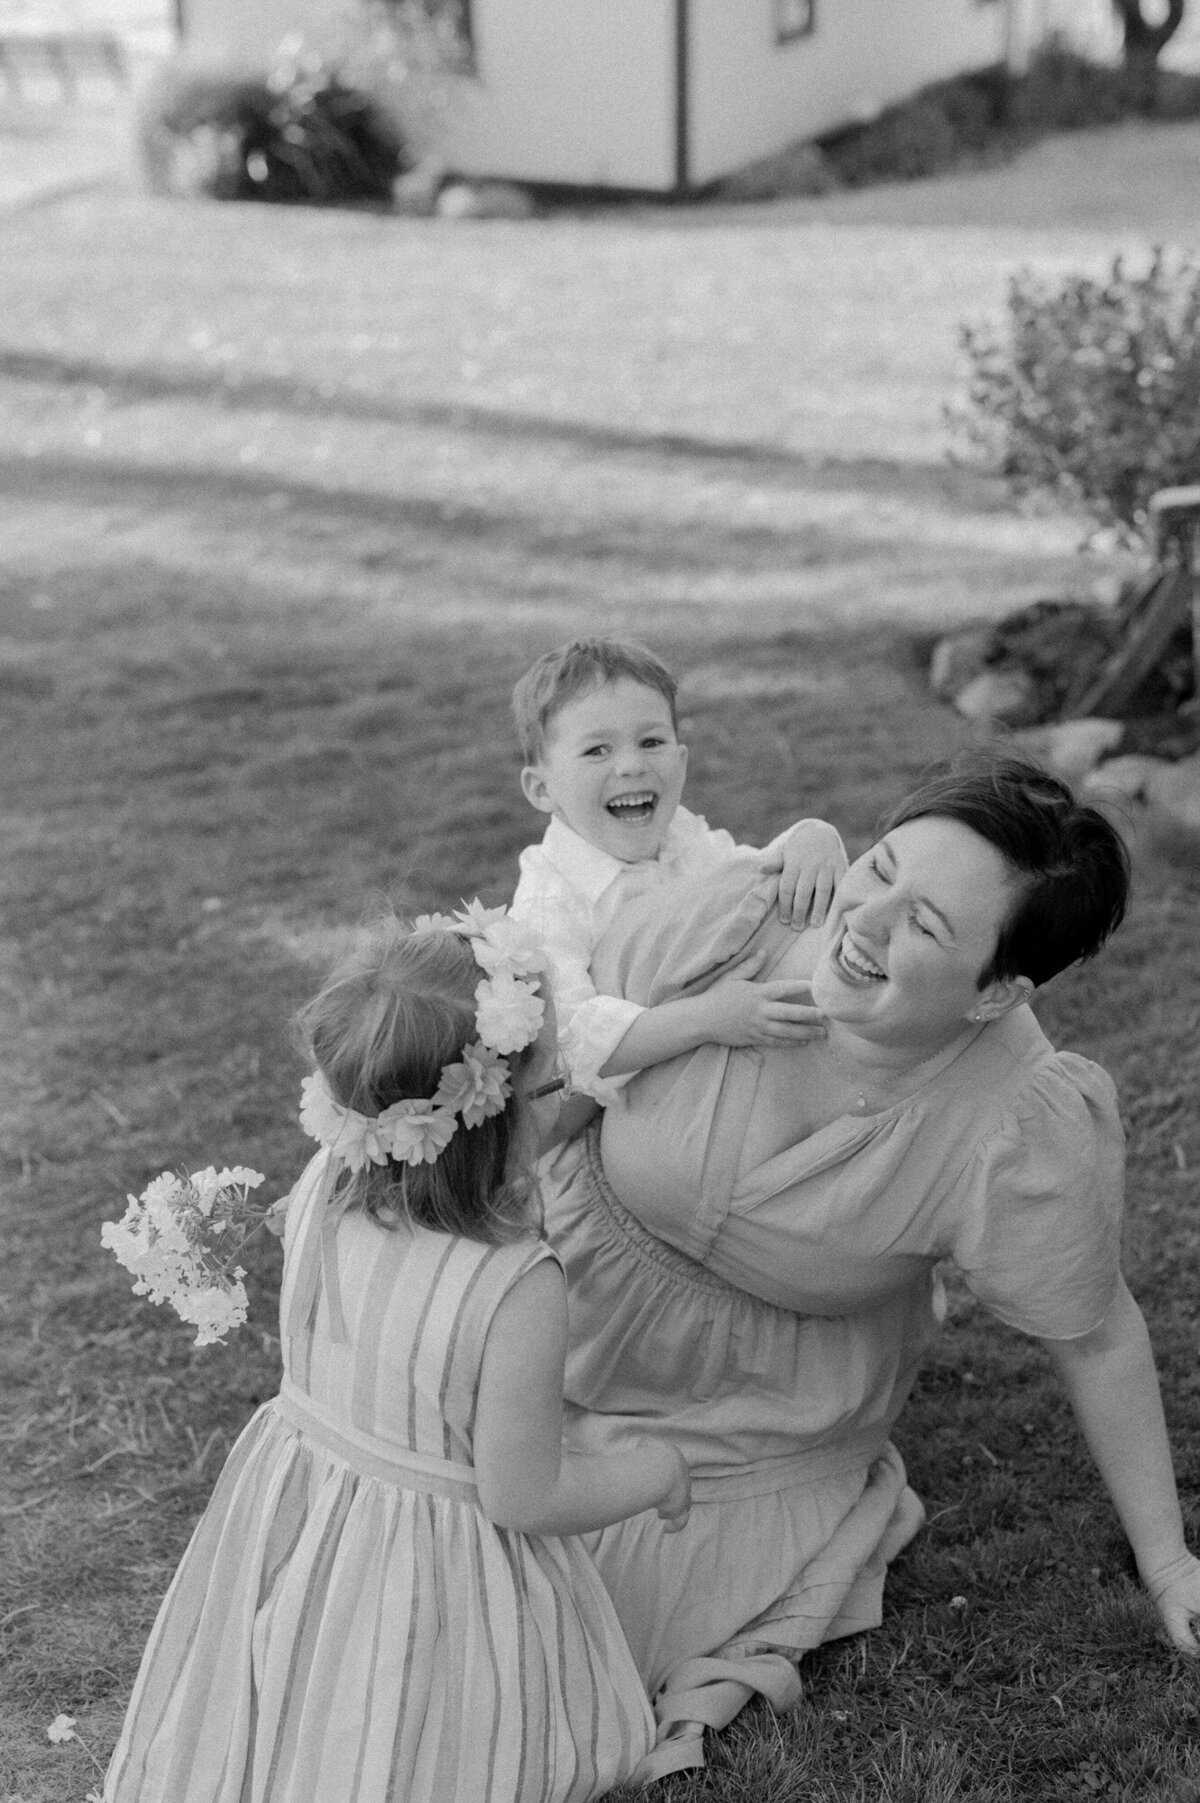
913,924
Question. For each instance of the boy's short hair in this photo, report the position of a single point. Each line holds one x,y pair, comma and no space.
575,669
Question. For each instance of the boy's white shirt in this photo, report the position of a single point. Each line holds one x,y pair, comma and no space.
570,890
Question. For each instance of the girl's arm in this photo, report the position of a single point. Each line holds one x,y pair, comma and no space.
526,1479
1110,1379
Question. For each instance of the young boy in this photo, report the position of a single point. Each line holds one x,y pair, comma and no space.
597,724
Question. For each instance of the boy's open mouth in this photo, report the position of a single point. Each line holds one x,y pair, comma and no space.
856,964
633,810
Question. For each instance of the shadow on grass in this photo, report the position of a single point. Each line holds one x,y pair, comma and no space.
951,483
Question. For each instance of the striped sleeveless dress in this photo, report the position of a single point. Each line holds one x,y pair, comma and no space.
346,1625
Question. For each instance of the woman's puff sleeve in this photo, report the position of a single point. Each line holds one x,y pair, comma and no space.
1037,1237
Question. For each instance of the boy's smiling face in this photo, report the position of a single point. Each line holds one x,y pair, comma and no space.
612,769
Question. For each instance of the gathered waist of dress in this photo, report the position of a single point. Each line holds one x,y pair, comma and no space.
372,1458
853,1451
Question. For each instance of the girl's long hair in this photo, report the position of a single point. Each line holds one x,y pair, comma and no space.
389,1018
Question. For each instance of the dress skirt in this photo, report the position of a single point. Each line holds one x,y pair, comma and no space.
333,1634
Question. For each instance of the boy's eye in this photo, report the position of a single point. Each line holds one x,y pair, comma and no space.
653,740
595,751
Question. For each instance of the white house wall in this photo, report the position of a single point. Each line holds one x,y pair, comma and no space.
249,31
571,91
750,96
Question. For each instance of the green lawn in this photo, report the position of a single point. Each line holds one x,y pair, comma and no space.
243,696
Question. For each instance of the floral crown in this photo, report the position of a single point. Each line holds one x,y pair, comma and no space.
508,1017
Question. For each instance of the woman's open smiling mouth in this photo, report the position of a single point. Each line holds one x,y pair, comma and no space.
855,964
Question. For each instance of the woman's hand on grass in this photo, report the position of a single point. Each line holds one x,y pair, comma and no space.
1176,1593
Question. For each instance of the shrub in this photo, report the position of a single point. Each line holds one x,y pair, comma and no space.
944,125
299,134
1094,392
1063,91
904,143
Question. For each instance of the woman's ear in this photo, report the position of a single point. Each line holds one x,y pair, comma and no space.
999,996
534,789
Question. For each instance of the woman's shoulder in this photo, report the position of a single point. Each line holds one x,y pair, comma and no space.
1015,1114
1012,1069
1046,1121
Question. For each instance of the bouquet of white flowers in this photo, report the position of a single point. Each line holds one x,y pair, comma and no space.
181,1239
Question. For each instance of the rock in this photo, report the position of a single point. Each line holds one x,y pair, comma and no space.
957,660
1006,695
1173,794
1127,778
1072,747
484,200
416,191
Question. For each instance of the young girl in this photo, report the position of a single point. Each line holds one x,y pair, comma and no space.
377,1606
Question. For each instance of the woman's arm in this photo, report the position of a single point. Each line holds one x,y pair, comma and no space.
1112,1384
526,1480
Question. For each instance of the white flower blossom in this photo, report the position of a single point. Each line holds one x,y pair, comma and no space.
62,1728
510,947
474,919
435,923
509,1013
168,1240
476,1088
417,1131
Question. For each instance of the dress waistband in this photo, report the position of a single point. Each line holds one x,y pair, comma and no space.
855,1451
369,1457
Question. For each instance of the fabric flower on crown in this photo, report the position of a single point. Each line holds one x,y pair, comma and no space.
474,919
508,1013
415,1132
356,1138
435,923
476,1088
509,947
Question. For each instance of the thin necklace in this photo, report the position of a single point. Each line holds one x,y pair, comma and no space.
908,1081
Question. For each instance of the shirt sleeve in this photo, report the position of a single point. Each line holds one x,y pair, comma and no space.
699,846
781,839
1038,1237
590,1025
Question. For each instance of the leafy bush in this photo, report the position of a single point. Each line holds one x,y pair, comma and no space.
299,134
904,143
1094,391
942,126
1063,91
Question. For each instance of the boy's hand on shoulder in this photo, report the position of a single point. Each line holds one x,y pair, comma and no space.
741,1013
811,862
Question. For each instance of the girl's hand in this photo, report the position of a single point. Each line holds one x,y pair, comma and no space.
1176,1593
675,1504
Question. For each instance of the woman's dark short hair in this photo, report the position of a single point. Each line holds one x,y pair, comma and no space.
1069,862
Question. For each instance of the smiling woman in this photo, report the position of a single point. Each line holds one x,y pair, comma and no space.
751,1238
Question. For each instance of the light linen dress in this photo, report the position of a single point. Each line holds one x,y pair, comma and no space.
770,1322
346,1625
